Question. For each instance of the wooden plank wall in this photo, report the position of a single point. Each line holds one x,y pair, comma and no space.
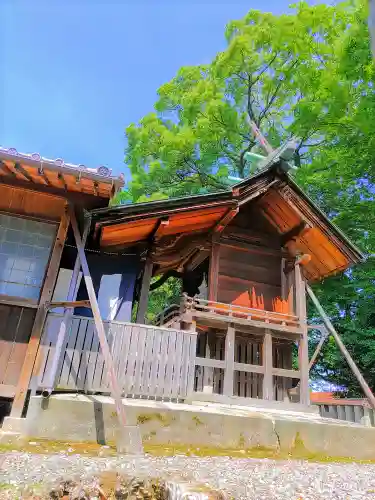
149,361
18,201
15,328
242,271
250,260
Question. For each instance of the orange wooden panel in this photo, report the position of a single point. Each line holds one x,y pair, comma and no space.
24,202
327,251
194,220
127,232
278,212
183,222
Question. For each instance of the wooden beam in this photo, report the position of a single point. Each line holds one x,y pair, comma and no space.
228,217
69,304
248,368
293,233
161,226
197,259
213,274
115,388
145,290
62,180
229,361
267,364
323,337
248,247
210,363
303,346
283,372
7,170
42,173
36,332
18,301
22,171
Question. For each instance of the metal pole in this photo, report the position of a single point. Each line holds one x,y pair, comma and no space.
68,313
366,389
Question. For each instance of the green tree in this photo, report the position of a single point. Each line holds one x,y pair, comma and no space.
308,74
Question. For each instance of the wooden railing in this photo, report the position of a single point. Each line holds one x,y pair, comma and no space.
168,315
241,315
149,361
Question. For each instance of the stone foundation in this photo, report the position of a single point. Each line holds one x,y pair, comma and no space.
78,418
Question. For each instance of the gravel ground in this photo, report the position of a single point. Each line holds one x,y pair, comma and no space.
240,478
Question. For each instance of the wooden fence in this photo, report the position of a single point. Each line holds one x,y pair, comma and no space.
357,413
248,366
149,361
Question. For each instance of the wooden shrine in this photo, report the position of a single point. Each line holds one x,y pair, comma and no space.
244,257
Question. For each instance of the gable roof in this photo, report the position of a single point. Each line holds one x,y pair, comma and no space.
301,225
65,177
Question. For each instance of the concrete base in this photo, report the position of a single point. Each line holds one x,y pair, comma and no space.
129,440
210,397
79,418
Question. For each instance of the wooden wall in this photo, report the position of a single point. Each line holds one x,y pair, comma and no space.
249,270
14,200
16,323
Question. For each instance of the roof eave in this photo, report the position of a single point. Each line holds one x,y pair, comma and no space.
117,181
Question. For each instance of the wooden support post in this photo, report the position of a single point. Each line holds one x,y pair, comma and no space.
303,346
68,313
115,389
213,277
208,372
229,361
267,364
145,290
36,332
331,329
323,337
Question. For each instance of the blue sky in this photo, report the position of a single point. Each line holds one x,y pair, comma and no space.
76,73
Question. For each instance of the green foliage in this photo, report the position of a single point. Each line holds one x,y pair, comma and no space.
167,294
307,74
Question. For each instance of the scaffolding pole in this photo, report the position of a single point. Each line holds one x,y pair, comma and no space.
331,329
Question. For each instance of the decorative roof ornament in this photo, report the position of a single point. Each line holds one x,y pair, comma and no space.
36,156
13,151
104,171
284,154
59,162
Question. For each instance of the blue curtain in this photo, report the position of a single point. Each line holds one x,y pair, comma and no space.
114,279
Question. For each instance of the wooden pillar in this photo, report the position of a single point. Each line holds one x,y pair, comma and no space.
208,372
36,332
213,275
145,290
287,285
267,364
303,346
229,361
